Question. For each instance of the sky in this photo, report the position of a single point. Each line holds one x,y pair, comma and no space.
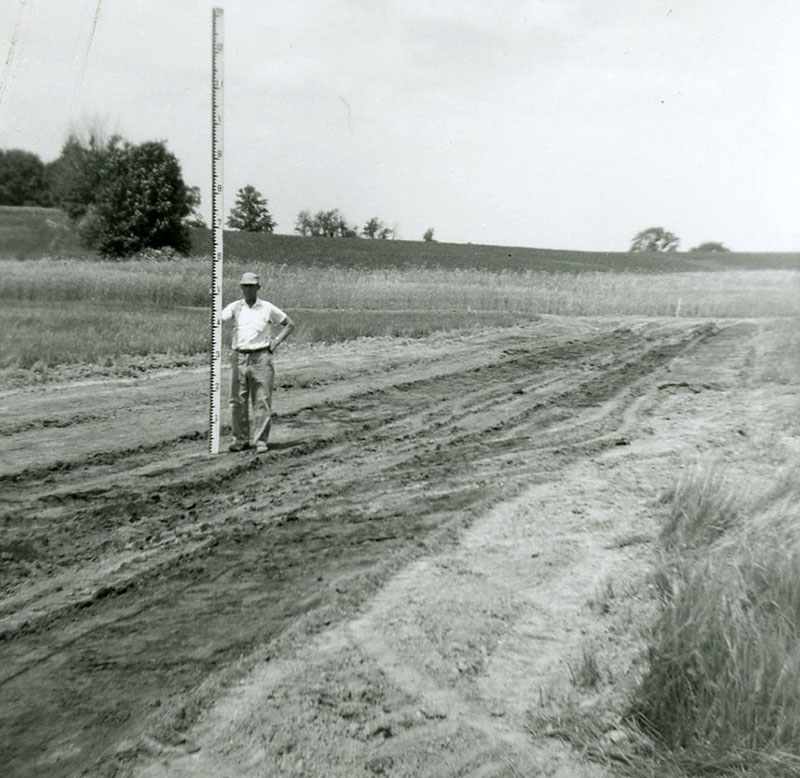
567,124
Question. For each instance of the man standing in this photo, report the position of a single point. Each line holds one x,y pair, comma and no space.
259,327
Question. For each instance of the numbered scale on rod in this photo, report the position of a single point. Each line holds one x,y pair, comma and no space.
216,226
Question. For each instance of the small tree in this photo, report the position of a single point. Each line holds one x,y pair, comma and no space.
22,178
141,202
385,233
328,224
304,223
655,239
250,214
427,236
711,247
372,228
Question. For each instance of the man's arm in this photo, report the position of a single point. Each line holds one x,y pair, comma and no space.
287,325
228,310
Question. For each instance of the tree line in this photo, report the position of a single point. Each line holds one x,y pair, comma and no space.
251,214
123,197
120,196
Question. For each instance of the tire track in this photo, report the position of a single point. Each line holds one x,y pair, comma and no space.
235,550
460,431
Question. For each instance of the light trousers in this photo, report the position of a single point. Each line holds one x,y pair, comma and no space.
252,379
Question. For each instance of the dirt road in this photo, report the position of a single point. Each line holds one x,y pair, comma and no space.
139,574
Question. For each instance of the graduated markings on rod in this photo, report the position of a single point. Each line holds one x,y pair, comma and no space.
217,50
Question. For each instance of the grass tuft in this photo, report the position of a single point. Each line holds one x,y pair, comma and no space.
702,508
722,691
586,673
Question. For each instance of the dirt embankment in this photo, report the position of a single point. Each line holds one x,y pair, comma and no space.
142,578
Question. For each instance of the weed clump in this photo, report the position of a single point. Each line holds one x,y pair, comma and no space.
702,508
722,692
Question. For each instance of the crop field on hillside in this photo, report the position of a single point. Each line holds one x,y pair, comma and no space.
294,250
36,233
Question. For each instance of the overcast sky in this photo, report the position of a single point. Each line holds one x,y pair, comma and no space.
552,123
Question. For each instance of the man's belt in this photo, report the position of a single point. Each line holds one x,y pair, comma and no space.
252,350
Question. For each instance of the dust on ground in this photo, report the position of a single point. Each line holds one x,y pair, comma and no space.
410,584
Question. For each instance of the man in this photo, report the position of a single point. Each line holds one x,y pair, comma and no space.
259,328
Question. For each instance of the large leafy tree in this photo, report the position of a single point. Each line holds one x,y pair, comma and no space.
141,202
22,178
655,239
122,197
250,214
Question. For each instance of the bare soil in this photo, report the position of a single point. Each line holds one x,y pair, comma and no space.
405,585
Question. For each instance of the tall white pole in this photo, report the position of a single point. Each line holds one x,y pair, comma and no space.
216,226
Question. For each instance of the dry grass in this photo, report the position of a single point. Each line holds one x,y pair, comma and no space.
70,311
722,692
702,508
38,336
718,692
186,282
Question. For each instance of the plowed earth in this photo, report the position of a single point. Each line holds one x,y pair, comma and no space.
140,576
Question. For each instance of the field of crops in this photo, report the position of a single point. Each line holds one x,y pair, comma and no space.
294,250
34,233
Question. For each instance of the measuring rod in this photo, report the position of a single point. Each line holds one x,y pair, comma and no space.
216,227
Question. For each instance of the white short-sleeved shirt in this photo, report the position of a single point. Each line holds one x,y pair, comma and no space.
253,327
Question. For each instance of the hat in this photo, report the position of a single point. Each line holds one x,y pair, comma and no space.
249,279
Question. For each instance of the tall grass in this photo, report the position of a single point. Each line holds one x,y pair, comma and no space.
45,335
701,509
66,311
722,692
186,282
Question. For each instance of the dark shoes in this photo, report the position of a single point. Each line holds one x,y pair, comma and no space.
238,445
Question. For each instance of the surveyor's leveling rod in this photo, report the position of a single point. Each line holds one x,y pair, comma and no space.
216,226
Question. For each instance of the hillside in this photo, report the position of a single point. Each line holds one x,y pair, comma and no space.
355,252
31,233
